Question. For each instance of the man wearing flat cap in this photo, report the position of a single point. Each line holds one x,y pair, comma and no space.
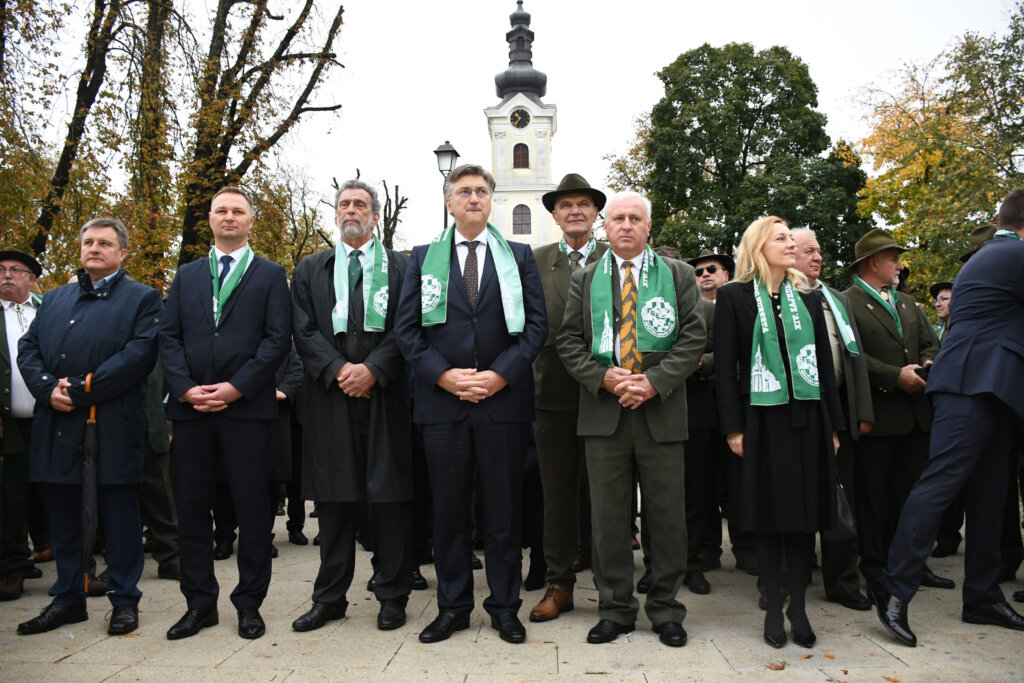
18,272
712,271
574,205
896,345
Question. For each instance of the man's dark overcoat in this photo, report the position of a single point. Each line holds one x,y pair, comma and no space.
334,468
111,332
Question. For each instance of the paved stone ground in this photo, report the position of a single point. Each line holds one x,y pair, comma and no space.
724,630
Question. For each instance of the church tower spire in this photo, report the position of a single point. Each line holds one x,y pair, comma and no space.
520,76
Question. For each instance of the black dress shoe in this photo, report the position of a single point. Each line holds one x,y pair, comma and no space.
933,580
892,612
391,615
776,640
508,627
996,614
316,540
319,615
169,570
535,577
223,550
671,633
371,584
273,551
696,582
124,619
53,616
607,630
1018,596
250,623
644,584
476,563
297,538
193,620
419,583
855,600
444,626
945,549
804,639
33,572
315,512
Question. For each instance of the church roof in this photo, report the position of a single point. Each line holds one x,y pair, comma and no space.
520,76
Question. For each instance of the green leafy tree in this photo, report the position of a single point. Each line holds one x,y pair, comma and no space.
735,137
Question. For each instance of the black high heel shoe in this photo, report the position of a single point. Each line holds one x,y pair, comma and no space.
803,635
774,633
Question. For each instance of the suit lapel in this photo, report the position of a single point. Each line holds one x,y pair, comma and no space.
489,276
560,274
247,277
455,280
884,319
5,352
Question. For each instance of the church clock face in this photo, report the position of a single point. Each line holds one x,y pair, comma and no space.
519,118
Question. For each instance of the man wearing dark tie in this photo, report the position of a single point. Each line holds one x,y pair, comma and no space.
225,331
574,205
471,320
356,439
974,385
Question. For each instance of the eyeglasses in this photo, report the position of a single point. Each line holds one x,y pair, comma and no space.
13,270
712,269
942,297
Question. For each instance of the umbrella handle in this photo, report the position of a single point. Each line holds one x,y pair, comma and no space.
92,408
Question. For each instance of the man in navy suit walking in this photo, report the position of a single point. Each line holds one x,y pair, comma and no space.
975,389
471,319
226,329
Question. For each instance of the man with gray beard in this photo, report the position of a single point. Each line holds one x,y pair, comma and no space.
356,441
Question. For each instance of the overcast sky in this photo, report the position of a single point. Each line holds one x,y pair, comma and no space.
419,73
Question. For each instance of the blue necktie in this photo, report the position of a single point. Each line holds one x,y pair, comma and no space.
226,260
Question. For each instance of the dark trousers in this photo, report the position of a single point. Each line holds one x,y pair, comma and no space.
839,558
156,503
562,458
423,503
496,452
118,507
392,529
611,462
14,552
887,467
953,519
970,445
1012,549
293,489
238,448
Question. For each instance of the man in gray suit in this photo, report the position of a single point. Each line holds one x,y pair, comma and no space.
839,557
631,335
574,206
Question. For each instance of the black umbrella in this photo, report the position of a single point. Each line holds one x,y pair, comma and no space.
90,450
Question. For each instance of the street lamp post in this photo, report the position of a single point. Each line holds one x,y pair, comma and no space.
447,157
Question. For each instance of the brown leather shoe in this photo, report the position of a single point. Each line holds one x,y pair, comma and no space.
556,601
582,562
44,555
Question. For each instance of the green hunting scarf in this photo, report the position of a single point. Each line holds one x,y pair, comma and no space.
842,319
374,272
767,368
434,280
222,294
889,306
656,307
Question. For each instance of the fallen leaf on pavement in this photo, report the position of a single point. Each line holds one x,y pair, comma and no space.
777,667
891,679
828,656
806,656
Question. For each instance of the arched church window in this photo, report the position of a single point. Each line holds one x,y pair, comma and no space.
521,156
521,220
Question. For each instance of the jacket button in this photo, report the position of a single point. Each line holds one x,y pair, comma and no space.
71,322
475,319
216,334
62,356
58,433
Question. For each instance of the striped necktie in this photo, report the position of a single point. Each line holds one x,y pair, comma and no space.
630,357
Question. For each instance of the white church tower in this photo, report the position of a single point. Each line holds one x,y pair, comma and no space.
521,127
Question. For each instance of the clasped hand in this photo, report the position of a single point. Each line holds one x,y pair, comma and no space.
631,389
470,384
212,398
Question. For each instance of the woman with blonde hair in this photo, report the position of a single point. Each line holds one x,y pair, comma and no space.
779,409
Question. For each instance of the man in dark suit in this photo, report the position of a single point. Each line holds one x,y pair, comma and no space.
975,388
574,205
93,342
895,346
18,273
226,329
470,322
650,336
356,445
839,557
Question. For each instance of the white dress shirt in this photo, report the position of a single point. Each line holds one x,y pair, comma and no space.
462,251
22,401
